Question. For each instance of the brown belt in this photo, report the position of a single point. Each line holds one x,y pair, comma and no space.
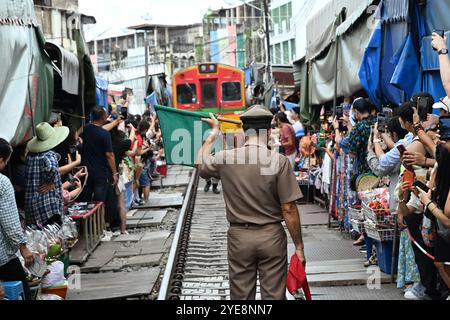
252,225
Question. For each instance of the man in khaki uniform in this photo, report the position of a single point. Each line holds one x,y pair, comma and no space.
260,191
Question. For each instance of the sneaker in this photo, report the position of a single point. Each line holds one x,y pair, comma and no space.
448,298
125,233
215,190
106,237
116,233
207,187
372,262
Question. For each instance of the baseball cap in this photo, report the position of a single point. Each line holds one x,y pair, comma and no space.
443,104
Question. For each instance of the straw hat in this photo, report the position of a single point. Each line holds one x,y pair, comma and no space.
47,138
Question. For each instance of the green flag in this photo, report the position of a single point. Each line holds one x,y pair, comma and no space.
183,134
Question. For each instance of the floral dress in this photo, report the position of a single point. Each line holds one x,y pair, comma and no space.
408,273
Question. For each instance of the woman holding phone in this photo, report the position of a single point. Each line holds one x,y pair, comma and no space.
437,203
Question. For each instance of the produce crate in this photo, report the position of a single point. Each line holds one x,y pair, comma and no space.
372,215
356,214
381,235
358,226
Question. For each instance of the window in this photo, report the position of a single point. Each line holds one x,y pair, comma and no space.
283,18
286,52
276,20
187,93
231,91
289,16
209,94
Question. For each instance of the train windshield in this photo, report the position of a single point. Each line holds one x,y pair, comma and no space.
231,91
187,93
209,94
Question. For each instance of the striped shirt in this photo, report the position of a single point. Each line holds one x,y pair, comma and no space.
11,233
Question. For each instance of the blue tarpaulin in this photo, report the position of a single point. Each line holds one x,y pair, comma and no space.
407,75
432,81
102,92
437,13
248,76
289,106
152,101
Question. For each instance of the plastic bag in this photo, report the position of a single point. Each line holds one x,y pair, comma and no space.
49,297
55,277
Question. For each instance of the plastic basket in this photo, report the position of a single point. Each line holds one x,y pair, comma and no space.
14,290
379,234
358,226
356,214
371,214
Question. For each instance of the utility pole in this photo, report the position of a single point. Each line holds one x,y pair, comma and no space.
266,18
146,61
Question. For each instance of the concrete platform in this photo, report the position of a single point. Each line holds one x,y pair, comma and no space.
106,286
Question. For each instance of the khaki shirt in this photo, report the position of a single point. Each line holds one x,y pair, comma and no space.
255,182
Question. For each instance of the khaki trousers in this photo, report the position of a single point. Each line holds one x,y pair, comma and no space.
253,250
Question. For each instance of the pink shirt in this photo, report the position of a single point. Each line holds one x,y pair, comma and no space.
286,131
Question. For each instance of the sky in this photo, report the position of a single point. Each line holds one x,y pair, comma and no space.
122,13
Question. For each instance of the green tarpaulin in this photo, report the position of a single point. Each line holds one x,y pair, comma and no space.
183,134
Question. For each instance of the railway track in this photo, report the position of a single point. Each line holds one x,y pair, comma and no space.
197,268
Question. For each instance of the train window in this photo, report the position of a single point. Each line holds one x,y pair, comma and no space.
187,93
209,94
231,91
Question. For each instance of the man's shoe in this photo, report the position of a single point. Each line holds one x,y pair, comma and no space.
207,187
372,262
215,190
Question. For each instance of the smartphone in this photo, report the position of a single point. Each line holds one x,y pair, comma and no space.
444,128
422,186
409,177
422,108
382,123
402,149
124,112
73,152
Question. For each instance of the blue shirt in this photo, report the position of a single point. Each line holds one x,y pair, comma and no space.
392,158
96,144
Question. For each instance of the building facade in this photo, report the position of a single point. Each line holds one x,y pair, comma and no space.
235,35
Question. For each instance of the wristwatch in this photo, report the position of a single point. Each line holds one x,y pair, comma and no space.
443,51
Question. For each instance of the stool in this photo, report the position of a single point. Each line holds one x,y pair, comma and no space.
14,290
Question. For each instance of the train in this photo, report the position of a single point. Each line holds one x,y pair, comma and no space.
211,87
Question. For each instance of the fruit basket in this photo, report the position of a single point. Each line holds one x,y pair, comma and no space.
356,214
379,234
377,212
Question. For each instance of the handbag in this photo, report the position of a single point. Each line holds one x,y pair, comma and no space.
443,232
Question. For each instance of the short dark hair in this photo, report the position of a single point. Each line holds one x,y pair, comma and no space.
362,105
394,126
282,117
98,113
296,110
143,126
406,112
5,149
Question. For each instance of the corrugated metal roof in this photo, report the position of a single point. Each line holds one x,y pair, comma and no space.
17,12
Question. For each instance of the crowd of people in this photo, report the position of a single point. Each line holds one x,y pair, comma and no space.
114,153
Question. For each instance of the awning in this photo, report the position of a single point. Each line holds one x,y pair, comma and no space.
68,64
18,13
395,11
321,29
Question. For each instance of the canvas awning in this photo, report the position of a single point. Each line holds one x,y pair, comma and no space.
322,28
68,64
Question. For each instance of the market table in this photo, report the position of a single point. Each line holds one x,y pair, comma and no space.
92,226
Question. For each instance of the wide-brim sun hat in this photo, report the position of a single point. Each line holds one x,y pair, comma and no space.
47,138
443,104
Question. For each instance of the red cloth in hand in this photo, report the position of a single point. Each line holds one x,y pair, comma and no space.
296,278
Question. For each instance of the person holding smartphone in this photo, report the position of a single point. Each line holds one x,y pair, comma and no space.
436,201
439,43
